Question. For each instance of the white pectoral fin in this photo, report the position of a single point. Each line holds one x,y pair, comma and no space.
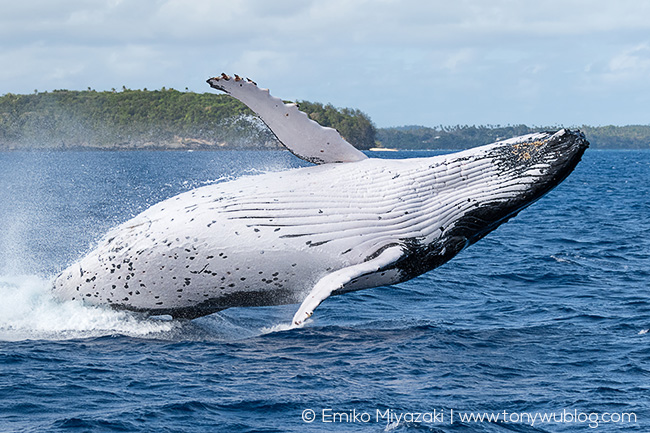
338,279
295,130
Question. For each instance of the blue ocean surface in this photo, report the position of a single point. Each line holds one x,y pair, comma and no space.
548,316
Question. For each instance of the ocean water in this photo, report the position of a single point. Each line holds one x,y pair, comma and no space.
548,316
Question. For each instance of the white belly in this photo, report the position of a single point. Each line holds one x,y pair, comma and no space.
275,234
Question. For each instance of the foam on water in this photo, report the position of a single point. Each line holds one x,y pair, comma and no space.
283,327
29,312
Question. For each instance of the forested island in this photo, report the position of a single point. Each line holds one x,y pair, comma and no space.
153,119
172,119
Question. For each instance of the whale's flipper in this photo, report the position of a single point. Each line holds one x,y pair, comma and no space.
336,280
302,136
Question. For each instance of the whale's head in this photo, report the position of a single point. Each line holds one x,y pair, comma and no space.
523,170
494,183
529,166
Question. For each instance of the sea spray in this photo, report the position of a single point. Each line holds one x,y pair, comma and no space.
29,311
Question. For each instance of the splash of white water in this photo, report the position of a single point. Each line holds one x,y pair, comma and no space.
29,311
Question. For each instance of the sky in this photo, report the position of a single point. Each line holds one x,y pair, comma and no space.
402,62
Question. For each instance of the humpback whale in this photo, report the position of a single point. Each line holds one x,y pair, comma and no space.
347,223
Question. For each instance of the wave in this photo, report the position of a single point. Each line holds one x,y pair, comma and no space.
29,311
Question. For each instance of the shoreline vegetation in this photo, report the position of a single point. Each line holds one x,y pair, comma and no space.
168,119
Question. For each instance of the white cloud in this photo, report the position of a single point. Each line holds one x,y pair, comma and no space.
458,59
633,61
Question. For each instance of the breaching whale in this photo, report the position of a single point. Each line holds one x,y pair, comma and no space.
348,223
